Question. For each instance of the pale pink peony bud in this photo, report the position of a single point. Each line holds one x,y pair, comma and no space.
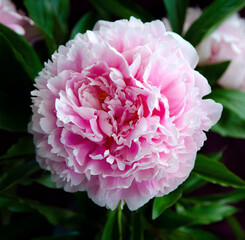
16,20
226,43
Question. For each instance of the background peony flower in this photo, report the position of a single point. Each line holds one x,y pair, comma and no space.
119,112
13,19
225,43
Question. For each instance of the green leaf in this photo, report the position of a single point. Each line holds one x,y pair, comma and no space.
206,214
236,227
16,174
230,125
113,7
218,156
85,23
60,16
54,215
51,17
176,235
41,11
213,72
61,10
211,18
231,99
24,147
103,13
176,11
221,198
172,220
108,9
24,52
46,181
200,234
136,226
16,85
192,183
140,11
160,204
108,229
13,204
216,172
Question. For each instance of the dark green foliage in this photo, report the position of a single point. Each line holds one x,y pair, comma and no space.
211,19
176,11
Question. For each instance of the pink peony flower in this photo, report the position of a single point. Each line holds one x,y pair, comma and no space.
119,112
225,43
13,19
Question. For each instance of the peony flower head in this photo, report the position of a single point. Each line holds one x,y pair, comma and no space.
13,19
226,43
119,112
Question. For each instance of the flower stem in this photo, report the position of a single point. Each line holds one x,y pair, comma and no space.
119,219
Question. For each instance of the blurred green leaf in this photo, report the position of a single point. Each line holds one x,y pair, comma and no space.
41,12
216,172
60,15
143,13
54,215
232,122
16,85
230,125
172,220
176,11
24,147
24,52
162,203
231,99
103,13
108,9
13,204
136,226
200,234
109,226
192,183
46,181
16,174
114,7
206,214
211,18
236,227
85,23
213,72
176,235
216,155
61,9
221,198
51,17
